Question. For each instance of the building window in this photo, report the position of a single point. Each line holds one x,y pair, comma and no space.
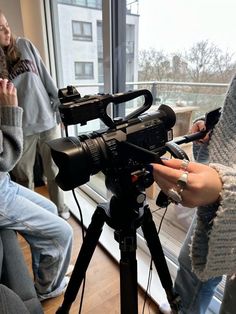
95,4
130,39
84,71
82,31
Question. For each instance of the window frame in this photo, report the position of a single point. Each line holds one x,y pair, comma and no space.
82,36
114,81
83,75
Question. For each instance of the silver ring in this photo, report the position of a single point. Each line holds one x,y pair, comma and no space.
182,181
174,196
184,165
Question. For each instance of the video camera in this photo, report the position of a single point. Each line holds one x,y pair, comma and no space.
126,146
123,152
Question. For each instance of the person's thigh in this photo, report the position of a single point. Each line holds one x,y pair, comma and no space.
28,211
35,218
37,199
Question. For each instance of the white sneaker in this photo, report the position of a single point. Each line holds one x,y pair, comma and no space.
65,215
70,269
165,308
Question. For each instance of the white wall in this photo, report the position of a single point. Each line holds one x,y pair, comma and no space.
12,10
26,19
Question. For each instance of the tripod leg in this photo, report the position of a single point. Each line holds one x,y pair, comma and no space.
128,273
87,249
154,244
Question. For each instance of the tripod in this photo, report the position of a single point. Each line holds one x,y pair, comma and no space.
124,213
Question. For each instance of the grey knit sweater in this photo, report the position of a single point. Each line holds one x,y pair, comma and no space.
213,248
11,138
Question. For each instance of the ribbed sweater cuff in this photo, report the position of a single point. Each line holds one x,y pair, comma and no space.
11,115
213,250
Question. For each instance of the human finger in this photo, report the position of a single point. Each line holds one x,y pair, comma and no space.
8,93
198,126
166,173
3,84
180,164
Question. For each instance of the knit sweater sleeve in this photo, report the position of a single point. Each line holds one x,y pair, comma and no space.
11,137
213,248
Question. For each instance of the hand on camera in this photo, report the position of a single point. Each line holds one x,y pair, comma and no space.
202,186
8,93
200,126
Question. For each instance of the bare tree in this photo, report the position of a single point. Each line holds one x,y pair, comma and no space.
203,62
200,60
154,65
207,63
225,67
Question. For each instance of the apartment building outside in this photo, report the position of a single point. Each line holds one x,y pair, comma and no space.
81,53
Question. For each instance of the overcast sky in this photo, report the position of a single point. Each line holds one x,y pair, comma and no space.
174,25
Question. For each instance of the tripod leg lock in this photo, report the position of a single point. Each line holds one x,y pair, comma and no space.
128,242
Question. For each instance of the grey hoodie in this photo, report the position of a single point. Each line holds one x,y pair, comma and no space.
36,90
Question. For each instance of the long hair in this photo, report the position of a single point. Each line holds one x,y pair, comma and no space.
11,52
3,65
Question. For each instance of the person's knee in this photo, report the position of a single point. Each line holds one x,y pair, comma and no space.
66,230
69,231
23,174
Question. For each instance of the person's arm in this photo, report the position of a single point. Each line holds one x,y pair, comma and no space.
213,244
212,189
46,78
11,137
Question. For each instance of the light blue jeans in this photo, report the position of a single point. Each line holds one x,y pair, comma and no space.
195,294
49,236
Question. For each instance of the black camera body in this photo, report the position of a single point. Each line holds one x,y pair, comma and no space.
124,148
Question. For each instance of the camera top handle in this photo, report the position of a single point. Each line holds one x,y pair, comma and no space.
121,98
148,99
77,110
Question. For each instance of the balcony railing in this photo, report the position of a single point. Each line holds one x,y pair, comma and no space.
205,96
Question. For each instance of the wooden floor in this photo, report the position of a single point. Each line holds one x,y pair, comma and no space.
102,291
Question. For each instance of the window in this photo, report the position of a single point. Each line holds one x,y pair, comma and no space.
161,63
130,40
84,71
82,31
96,4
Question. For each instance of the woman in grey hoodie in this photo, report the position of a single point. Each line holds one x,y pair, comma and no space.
37,95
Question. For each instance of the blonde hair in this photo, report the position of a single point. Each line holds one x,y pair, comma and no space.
11,52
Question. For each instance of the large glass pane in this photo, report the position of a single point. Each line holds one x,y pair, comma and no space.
185,57
187,65
79,48
171,49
